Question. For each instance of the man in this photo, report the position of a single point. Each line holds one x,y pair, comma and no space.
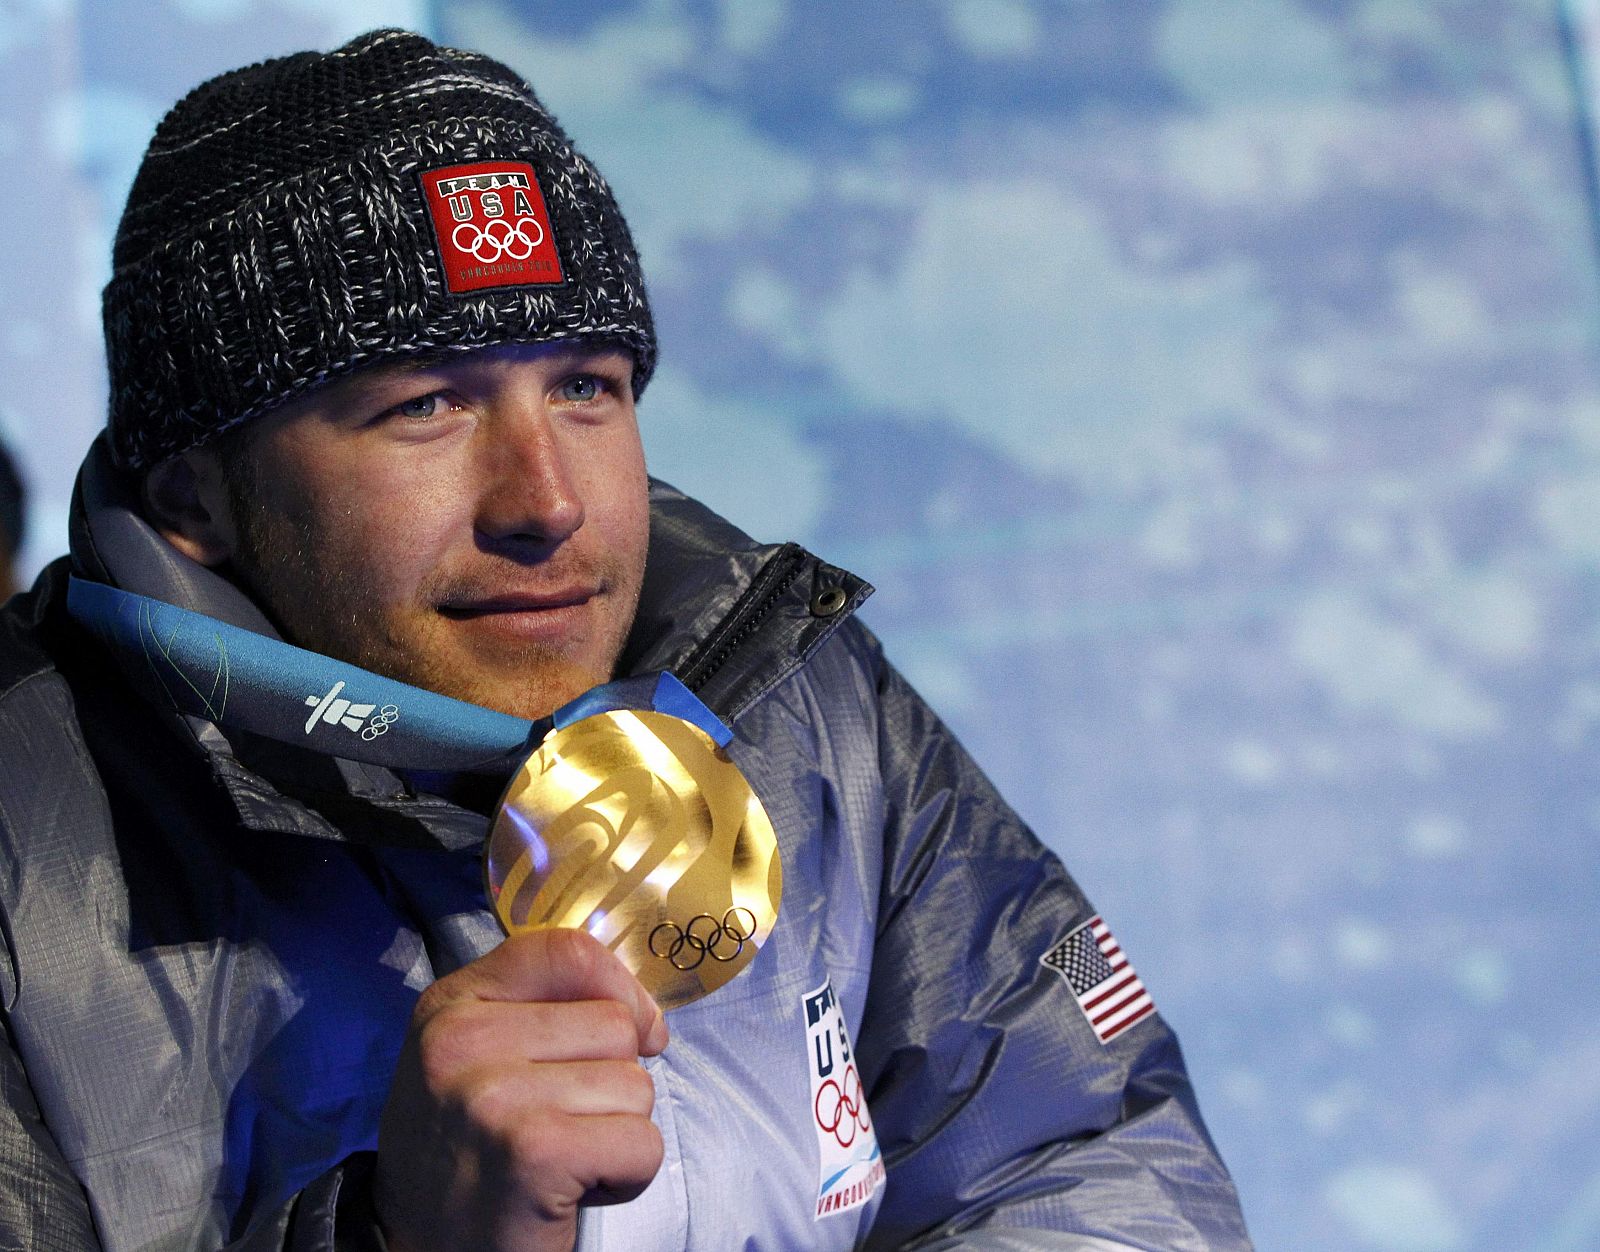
13,512
375,332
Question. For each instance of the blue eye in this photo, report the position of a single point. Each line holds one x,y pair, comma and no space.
580,388
419,407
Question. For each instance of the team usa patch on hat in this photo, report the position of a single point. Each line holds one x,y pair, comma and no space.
492,225
1103,982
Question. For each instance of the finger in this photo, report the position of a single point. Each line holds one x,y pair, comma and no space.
498,1097
467,1034
555,965
610,1158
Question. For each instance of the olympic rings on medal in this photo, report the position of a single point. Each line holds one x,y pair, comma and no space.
504,244
848,1112
669,941
384,718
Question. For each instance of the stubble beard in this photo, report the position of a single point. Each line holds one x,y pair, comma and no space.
320,600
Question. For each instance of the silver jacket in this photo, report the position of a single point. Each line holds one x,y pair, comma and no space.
212,944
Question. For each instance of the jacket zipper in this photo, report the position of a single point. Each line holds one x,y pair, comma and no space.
769,586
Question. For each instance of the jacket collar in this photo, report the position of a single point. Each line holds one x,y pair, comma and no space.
730,617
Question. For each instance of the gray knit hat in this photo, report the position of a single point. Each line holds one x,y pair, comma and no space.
295,220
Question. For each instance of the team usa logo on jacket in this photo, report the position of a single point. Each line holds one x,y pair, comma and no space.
851,1165
492,226
1103,982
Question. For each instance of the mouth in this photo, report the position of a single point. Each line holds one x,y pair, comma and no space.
518,603
552,618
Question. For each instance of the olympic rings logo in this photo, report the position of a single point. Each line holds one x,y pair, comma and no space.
384,718
704,936
513,241
846,1110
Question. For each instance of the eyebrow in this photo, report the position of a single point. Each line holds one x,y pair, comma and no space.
431,358
426,359
350,389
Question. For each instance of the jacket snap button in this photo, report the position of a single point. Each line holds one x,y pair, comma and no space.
828,601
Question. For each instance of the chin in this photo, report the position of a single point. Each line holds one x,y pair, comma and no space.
529,681
530,692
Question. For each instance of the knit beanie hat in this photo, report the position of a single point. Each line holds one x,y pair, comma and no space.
300,218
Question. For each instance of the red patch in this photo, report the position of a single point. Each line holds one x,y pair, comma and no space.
492,225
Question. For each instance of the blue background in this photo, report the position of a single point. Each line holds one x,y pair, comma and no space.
1211,389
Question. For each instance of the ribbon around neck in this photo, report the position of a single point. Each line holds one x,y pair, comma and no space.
237,678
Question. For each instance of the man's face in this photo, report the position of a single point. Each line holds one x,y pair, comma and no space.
475,526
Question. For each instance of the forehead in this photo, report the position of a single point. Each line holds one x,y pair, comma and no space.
496,358
390,380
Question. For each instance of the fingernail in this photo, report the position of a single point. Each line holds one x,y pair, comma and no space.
659,1035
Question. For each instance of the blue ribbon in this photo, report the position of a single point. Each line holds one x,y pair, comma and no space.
237,678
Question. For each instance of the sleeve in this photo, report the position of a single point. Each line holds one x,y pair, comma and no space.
43,1207
1000,1113
333,1213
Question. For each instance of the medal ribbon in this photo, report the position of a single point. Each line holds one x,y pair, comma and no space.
208,668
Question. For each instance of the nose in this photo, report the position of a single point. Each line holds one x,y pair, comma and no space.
530,502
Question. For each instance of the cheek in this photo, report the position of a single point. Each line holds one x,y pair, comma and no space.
407,536
385,532
620,507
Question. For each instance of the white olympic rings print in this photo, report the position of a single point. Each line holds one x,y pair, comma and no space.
703,936
846,1110
513,241
384,718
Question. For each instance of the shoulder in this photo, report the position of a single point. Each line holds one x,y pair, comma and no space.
841,682
42,753
29,622
42,746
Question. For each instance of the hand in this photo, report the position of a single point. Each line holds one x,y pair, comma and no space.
518,1095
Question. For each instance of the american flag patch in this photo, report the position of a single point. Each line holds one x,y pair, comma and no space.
1103,983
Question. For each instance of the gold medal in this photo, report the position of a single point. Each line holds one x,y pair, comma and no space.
635,826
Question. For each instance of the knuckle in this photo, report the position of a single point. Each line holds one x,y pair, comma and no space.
445,1042
639,1089
434,999
488,1103
575,952
624,1086
614,1031
652,1149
